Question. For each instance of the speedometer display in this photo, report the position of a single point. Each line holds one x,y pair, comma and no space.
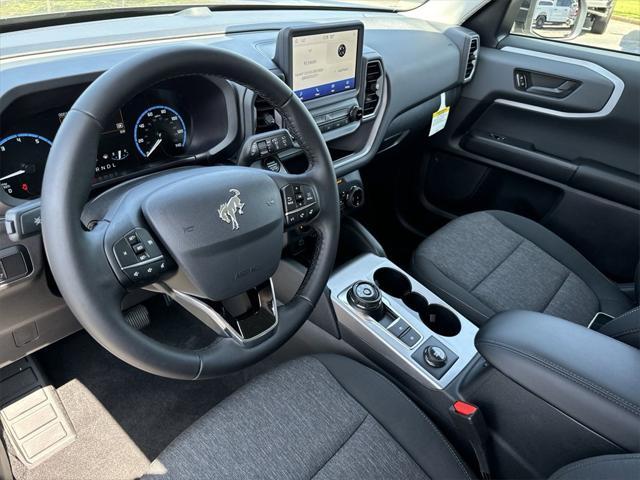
22,160
160,129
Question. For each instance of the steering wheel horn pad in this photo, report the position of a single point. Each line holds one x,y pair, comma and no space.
223,226
223,229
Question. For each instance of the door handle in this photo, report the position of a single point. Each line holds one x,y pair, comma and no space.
561,91
544,85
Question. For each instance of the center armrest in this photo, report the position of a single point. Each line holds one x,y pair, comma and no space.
590,377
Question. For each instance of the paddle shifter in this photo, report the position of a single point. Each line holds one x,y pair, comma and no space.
366,297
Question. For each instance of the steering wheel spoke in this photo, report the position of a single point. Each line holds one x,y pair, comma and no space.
248,319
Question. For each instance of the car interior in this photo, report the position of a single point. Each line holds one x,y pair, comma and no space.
443,281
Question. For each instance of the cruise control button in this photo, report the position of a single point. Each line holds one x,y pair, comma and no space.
150,245
143,257
309,194
132,238
138,248
399,327
410,337
124,253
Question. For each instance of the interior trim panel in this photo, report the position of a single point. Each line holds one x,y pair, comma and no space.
618,86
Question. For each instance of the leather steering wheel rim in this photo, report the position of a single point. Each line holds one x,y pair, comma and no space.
76,254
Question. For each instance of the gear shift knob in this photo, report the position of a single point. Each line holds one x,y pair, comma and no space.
366,297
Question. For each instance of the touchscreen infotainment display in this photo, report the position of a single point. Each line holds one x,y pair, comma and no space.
323,64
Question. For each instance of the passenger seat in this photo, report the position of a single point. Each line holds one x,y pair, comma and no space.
488,262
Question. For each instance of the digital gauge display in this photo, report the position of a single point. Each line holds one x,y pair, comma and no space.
22,160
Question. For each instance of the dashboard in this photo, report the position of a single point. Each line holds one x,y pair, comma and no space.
368,85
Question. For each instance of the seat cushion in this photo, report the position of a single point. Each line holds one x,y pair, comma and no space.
487,262
316,417
618,467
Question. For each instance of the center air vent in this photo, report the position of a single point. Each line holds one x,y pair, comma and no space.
472,59
265,116
372,87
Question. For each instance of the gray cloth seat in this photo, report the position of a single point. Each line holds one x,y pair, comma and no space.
328,417
322,417
487,262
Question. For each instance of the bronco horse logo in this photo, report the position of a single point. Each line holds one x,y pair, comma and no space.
227,211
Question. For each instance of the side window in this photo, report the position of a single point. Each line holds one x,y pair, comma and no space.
609,24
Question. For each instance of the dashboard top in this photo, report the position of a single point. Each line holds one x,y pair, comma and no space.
409,51
190,24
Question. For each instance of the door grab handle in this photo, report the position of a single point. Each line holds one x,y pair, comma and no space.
561,90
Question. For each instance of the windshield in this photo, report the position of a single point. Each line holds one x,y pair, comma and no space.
22,8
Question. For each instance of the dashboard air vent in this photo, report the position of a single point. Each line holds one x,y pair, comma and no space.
472,59
372,87
265,116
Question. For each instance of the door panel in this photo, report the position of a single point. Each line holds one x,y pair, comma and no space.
568,160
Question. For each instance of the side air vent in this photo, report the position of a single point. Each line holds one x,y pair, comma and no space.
472,59
265,116
372,87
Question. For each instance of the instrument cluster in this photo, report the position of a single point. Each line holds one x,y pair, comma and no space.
152,131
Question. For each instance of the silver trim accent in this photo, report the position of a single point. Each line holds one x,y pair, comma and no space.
301,208
596,316
141,264
377,337
618,86
215,321
354,157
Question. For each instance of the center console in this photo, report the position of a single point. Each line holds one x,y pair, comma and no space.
402,320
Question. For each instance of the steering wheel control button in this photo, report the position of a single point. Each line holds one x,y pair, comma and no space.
410,338
124,253
139,257
300,203
366,297
398,327
132,238
435,356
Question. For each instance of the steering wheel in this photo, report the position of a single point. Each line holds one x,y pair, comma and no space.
208,234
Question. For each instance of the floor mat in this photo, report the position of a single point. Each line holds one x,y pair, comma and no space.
123,417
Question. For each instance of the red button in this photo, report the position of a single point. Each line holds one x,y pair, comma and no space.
464,408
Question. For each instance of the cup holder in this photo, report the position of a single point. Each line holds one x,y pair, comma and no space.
393,282
440,320
416,302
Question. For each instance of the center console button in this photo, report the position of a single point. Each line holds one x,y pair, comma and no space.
410,337
399,327
435,356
